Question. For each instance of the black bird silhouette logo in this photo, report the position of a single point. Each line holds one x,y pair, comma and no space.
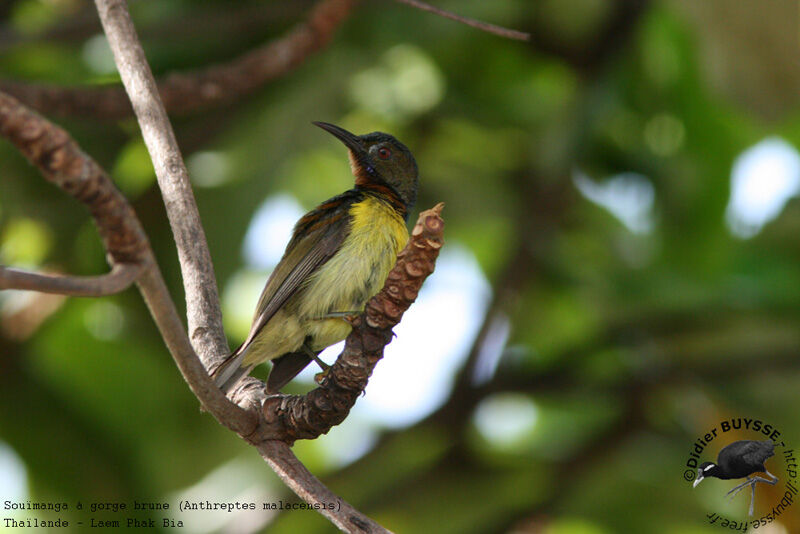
738,460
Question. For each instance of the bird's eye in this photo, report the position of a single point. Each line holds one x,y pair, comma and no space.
384,153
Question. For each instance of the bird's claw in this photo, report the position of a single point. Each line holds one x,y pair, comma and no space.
347,316
319,378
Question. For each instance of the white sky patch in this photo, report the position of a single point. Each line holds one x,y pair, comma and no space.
628,196
415,375
98,56
491,350
347,443
763,179
416,372
209,169
13,478
236,480
270,231
506,419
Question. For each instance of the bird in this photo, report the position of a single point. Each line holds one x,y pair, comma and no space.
338,257
738,460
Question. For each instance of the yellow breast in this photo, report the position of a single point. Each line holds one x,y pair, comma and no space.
359,269
344,283
355,273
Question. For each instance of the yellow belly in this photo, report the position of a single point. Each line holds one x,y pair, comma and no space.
344,283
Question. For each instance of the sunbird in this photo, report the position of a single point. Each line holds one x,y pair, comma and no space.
338,258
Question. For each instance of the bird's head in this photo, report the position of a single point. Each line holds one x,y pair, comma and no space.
704,470
379,158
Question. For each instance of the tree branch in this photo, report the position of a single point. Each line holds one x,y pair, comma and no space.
198,89
120,277
308,487
62,162
479,24
291,417
243,19
202,298
283,418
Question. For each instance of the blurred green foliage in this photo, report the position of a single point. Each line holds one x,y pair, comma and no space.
624,346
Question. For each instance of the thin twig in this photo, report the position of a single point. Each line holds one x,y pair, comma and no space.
308,487
479,24
120,278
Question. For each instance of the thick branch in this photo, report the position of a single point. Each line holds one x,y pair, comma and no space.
162,308
202,298
62,162
120,277
306,417
201,294
199,89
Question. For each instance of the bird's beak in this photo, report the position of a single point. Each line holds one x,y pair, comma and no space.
698,480
350,140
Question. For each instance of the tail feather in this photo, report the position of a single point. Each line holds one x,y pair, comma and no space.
227,375
285,368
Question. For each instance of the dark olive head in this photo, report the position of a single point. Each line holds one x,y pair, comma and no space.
379,158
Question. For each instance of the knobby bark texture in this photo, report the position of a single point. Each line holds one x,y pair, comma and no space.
293,417
63,163
185,92
281,419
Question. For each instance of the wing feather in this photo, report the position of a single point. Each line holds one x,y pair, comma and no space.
316,238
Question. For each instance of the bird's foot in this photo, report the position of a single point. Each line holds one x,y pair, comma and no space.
347,316
315,356
732,493
319,378
340,315
322,365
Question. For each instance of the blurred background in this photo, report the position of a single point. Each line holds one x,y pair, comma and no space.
620,273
